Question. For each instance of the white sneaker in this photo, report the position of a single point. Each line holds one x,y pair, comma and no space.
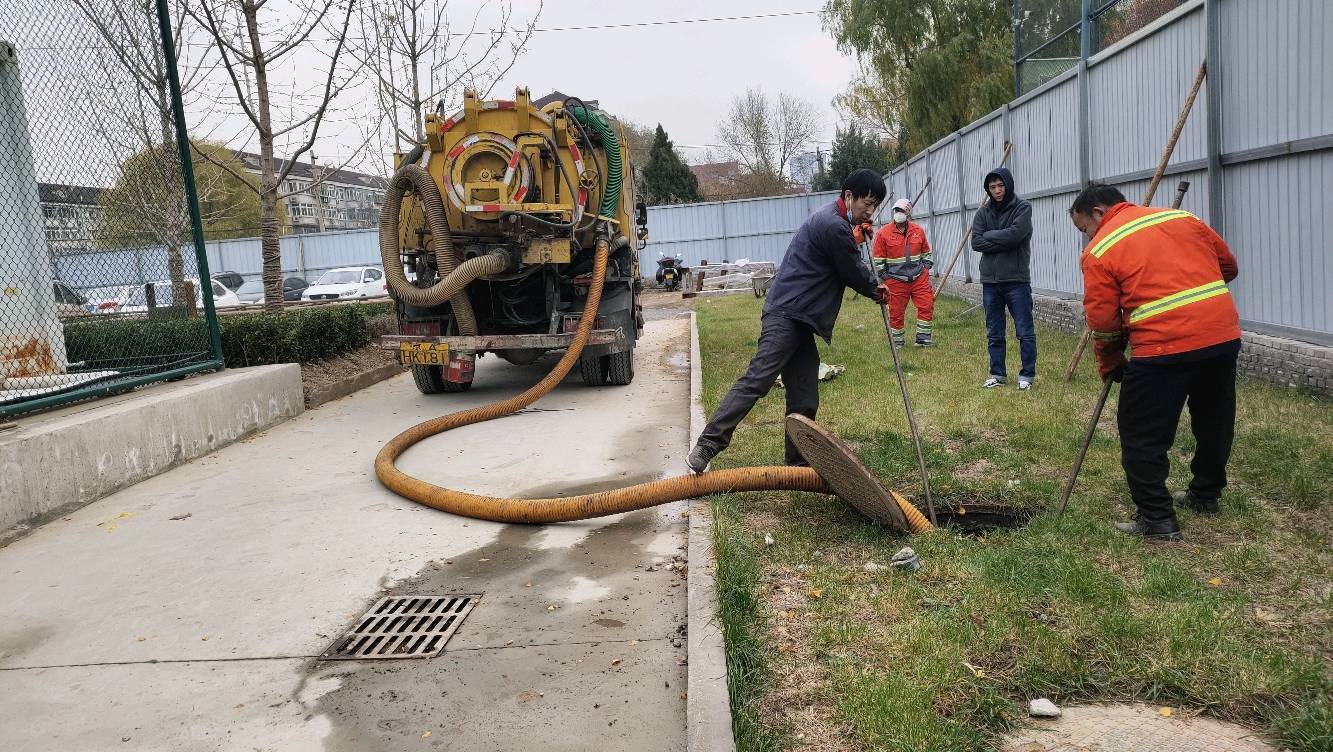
993,382
1024,385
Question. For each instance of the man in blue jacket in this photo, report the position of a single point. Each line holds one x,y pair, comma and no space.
1001,231
821,262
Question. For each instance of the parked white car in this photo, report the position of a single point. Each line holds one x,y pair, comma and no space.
347,283
137,302
107,299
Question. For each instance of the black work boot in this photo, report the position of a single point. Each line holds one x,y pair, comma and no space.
1207,507
699,458
1166,530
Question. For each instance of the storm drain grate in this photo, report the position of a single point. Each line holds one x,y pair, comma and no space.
404,626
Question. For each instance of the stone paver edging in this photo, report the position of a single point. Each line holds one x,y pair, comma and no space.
1133,728
708,704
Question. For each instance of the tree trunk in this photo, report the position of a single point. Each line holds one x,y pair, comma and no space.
269,243
271,250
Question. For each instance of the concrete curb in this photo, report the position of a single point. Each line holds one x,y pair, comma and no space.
352,384
708,702
59,461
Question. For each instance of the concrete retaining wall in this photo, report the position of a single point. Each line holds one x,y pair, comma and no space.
59,461
1287,362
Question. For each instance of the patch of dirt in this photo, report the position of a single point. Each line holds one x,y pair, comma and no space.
652,299
322,373
975,471
799,699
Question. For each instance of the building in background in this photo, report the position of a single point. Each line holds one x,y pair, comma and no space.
343,199
71,215
718,181
804,167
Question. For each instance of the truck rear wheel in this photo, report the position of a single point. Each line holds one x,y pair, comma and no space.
620,367
592,370
431,380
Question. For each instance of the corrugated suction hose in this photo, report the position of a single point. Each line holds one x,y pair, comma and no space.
413,177
584,506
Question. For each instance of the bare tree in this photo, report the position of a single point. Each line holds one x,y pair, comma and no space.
421,59
764,134
128,88
248,52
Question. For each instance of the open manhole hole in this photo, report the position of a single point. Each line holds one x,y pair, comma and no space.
979,518
404,626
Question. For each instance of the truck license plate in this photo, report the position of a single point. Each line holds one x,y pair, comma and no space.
423,353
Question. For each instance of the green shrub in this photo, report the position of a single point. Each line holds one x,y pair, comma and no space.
299,335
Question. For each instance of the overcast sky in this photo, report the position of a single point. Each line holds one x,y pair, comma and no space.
685,75
682,75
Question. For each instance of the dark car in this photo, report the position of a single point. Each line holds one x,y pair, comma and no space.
231,280
253,291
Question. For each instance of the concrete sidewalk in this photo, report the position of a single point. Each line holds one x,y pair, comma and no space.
187,612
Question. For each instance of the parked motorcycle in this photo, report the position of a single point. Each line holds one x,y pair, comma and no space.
670,271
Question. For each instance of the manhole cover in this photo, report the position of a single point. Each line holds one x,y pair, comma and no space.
838,465
404,626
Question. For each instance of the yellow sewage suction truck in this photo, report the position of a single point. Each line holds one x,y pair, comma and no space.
488,235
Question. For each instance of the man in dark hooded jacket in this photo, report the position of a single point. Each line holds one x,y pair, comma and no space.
1001,231
803,301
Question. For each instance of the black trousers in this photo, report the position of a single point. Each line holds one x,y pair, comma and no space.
1151,397
786,347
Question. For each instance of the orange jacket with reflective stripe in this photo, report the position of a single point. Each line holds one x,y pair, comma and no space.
1157,277
890,243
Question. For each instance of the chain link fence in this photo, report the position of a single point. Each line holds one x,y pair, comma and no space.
1048,34
91,166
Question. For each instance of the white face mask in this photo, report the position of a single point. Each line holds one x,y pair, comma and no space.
899,217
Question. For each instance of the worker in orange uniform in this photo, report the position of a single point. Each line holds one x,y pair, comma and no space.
1156,279
902,260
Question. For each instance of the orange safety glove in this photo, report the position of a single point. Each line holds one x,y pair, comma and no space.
863,232
1111,361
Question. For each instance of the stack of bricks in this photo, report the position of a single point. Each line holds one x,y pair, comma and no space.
1287,362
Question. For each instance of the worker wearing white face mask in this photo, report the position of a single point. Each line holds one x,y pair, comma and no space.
902,261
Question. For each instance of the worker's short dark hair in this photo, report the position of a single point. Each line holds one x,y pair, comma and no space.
864,183
1096,194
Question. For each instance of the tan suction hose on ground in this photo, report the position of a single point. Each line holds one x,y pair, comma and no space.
587,505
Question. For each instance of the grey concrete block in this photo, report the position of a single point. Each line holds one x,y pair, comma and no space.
61,460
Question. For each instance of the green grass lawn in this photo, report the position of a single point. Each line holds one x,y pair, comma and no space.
1235,621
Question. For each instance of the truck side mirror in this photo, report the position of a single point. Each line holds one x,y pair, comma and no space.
641,214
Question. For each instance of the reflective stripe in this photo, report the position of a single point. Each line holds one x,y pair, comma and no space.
1176,300
1125,230
1107,336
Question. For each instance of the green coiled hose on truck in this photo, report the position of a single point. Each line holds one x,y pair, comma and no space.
614,168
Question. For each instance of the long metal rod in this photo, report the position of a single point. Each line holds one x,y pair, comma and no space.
907,402
944,278
1083,448
911,421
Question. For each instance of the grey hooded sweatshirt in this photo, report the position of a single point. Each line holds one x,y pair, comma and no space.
1001,233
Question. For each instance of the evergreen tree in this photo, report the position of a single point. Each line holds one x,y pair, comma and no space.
852,150
667,179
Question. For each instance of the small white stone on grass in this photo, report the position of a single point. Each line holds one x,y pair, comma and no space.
871,566
1043,708
768,539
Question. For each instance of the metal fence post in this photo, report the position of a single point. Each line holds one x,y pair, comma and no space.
962,203
187,176
1084,123
1213,114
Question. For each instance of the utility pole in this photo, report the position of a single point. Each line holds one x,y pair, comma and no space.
317,191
